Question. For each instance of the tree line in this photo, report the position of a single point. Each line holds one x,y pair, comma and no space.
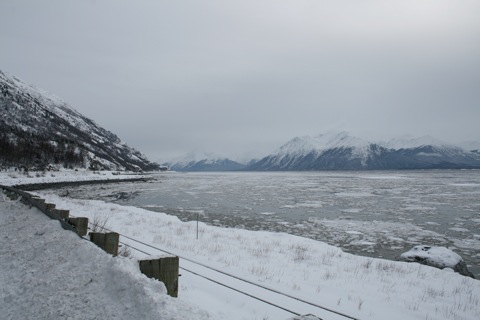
30,151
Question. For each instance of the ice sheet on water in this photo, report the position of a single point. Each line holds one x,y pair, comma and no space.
394,209
352,210
306,204
351,233
459,229
354,194
418,208
472,244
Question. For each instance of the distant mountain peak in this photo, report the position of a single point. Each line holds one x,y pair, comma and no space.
320,142
204,162
340,139
197,156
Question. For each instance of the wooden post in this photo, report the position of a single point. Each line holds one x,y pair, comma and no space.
164,269
62,214
39,201
106,241
80,225
42,205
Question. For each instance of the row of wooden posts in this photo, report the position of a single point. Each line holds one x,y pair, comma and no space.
164,269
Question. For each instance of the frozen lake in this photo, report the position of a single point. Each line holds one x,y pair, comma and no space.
378,214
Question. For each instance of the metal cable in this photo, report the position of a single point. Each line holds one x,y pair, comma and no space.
221,284
241,279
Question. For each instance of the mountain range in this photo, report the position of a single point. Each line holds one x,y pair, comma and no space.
342,151
38,131
204,162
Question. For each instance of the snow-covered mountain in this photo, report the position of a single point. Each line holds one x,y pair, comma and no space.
341,151
39,130
204,162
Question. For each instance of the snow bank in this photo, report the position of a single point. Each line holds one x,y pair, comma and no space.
49,273
17,178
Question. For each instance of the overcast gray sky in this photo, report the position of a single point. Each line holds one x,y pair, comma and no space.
239,76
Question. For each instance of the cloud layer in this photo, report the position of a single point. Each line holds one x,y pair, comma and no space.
172,77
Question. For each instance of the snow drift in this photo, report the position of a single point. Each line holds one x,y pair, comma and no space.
50,273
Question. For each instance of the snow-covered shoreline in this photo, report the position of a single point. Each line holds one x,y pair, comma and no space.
362,287
12,178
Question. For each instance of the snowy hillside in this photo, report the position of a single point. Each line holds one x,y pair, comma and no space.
342,151
38,129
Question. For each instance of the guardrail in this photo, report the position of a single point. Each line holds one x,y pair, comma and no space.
164,269
47,208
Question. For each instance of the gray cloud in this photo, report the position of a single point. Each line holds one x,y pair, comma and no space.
170,77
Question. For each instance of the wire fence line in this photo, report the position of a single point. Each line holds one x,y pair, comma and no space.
231,276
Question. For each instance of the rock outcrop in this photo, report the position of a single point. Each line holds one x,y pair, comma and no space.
438,257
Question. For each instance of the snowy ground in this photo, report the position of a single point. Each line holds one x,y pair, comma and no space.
49,273
361,287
